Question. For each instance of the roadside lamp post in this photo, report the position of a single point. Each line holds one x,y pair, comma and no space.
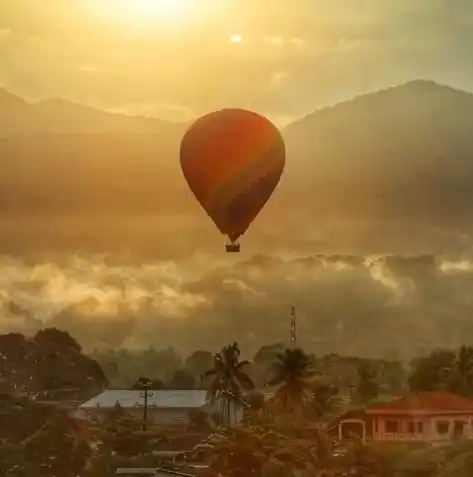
145,384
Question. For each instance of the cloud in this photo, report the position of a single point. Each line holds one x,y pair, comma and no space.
274,40
4,33
387,306
278,79
90,68
170,112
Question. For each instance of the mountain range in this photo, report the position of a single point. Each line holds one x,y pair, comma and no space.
401,155
404,151
58,116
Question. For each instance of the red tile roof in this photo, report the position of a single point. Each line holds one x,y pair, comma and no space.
426,401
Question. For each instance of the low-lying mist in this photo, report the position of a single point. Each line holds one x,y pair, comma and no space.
392,306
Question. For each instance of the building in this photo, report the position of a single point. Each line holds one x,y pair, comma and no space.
152,472
421,417
168,408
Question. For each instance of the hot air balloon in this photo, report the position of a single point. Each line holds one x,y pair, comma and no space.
232,160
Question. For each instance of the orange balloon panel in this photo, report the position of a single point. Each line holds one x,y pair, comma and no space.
232,160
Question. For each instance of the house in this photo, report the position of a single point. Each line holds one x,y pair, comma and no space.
429,417
168,408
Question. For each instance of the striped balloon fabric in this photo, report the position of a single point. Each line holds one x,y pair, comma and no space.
232,160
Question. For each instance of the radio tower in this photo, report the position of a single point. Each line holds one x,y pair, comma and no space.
293,326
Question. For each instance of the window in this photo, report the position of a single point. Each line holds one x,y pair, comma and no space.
415,427
392,426
443,427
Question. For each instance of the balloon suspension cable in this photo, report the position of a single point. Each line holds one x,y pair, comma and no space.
233,246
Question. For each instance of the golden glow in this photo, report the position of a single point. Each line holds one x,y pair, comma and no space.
142,13
236,38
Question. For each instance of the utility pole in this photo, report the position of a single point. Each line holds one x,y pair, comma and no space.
145,384
293,326
3,381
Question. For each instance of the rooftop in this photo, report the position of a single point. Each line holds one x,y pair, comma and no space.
154,472
136,471
426,401
158,398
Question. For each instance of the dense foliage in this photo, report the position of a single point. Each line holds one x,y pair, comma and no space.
48,366
283,431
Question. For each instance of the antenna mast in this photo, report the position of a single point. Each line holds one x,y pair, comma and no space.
293,326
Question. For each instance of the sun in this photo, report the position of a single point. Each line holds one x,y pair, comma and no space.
152,10
236,38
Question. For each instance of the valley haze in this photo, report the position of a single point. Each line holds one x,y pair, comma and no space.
100,236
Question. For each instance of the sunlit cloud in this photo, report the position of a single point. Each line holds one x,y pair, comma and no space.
169,112
90,68
199,302
278,78
5,33
298,42
274,40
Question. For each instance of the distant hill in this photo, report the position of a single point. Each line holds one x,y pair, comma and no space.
402,154
57,116
58,157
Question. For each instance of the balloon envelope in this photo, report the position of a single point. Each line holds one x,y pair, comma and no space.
232,160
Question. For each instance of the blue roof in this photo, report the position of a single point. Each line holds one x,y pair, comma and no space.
195,398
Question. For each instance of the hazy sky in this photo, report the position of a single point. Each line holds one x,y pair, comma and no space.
177,61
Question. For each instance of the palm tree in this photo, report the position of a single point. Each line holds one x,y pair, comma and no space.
293,374
229,381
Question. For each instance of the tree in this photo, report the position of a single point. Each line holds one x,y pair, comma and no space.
444,370
293,373
255,400
463,371
123,435
263,361
433,372
198,420
325,401
50,364
153,383
168,361
257,451
256,403
371,460
111,368
422,463
56,339
181,379
123,443
458,461
10,458
229,380
198,363
57,448
20,417
117,412
367,388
